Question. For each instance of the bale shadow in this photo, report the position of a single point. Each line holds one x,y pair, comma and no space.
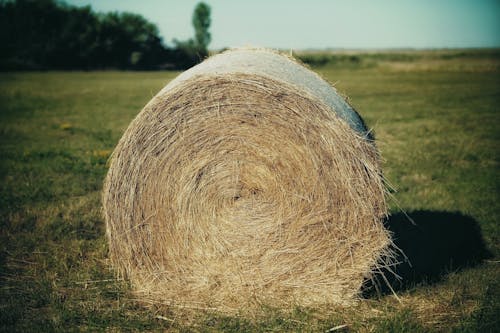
435,244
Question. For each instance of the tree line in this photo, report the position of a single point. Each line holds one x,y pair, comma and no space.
48,34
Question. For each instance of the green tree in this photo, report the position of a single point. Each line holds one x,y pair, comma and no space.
190,52
201,23
49,34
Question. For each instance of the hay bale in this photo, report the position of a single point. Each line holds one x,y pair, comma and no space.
246,180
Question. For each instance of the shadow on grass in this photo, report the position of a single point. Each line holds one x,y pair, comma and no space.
436,244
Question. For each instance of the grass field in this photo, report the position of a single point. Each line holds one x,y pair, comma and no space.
435,116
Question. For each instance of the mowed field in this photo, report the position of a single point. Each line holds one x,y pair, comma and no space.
436,118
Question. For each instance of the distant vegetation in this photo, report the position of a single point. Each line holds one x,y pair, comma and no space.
188,52
48,34
364,59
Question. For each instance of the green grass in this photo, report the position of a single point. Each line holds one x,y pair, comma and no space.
436,121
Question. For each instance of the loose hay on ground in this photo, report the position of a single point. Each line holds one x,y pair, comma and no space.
247,180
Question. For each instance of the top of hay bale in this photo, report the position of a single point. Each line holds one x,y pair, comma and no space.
276,66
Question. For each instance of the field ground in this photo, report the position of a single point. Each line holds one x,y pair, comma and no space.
435,116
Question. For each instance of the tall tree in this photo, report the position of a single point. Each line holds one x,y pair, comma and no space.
201,24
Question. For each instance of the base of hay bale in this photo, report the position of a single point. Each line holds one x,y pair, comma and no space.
235,189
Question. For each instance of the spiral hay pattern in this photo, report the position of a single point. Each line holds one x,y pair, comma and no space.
234,187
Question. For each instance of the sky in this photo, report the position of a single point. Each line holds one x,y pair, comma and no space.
321,24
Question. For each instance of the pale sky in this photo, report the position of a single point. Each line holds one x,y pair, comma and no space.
294,24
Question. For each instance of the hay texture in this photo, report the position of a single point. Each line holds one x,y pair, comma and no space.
247,180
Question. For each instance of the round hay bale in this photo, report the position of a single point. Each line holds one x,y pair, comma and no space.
246,180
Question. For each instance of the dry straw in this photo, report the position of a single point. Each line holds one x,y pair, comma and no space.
247,180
